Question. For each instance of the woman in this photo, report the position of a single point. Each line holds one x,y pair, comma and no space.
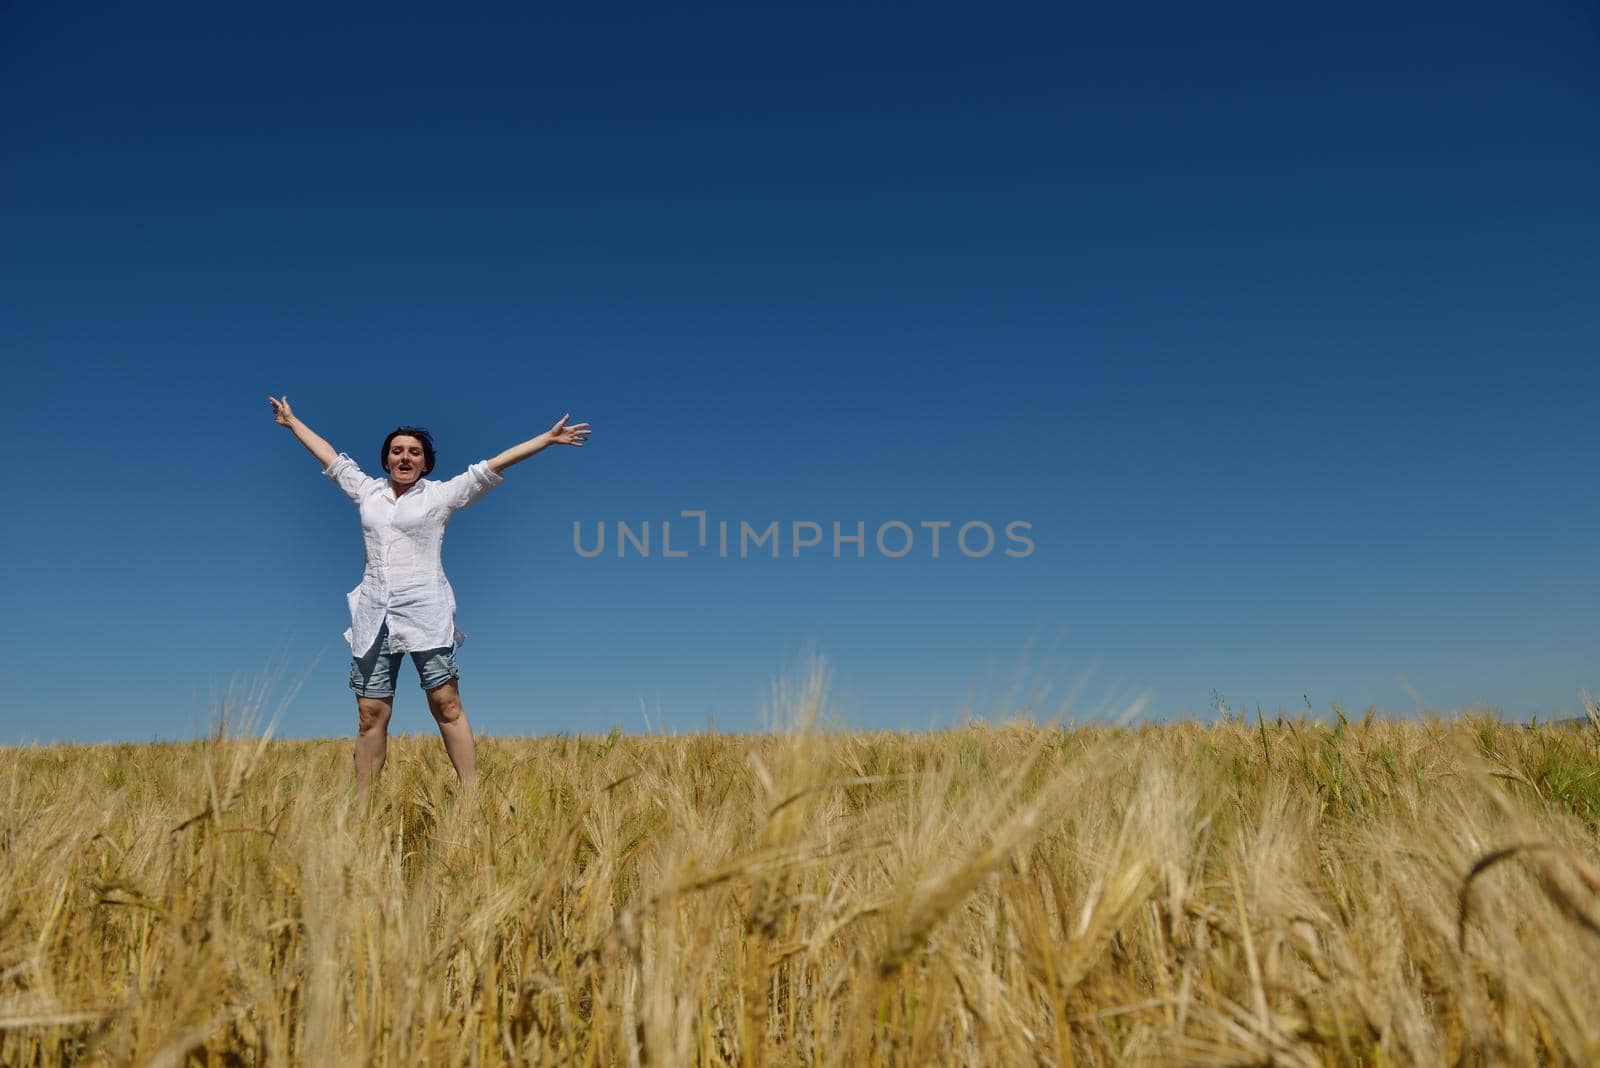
404,603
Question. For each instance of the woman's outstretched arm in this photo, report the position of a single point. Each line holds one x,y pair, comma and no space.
560,434
308,437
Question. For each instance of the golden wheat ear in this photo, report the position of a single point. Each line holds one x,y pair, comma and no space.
1549,881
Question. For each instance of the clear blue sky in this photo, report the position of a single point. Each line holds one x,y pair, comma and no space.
1279,327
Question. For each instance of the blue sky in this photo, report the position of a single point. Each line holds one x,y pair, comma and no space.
1277,325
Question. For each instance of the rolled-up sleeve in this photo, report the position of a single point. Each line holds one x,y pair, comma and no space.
470,484
348,476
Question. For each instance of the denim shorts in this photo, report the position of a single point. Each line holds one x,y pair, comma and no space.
374,675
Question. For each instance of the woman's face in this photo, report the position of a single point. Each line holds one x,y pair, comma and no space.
405,460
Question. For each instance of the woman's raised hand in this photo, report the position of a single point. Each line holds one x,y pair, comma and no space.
280,409
562,434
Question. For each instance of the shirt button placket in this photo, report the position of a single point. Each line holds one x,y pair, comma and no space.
388,573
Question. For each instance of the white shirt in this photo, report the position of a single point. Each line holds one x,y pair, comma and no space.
404,579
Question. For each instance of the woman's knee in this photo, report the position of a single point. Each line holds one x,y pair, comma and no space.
374,712
444,702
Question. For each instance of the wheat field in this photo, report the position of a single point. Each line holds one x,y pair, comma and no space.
1286,893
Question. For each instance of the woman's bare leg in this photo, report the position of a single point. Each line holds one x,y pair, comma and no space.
372,737
444,701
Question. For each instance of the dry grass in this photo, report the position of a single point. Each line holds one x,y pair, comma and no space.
1291,894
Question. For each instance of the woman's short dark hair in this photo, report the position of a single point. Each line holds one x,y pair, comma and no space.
421,434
